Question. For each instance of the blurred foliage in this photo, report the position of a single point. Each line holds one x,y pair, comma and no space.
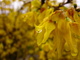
44,32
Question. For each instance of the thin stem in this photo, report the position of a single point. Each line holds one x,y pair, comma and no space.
42,2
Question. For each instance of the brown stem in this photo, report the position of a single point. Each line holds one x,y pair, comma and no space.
46,57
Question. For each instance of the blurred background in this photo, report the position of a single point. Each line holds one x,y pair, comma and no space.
17,4
17,36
